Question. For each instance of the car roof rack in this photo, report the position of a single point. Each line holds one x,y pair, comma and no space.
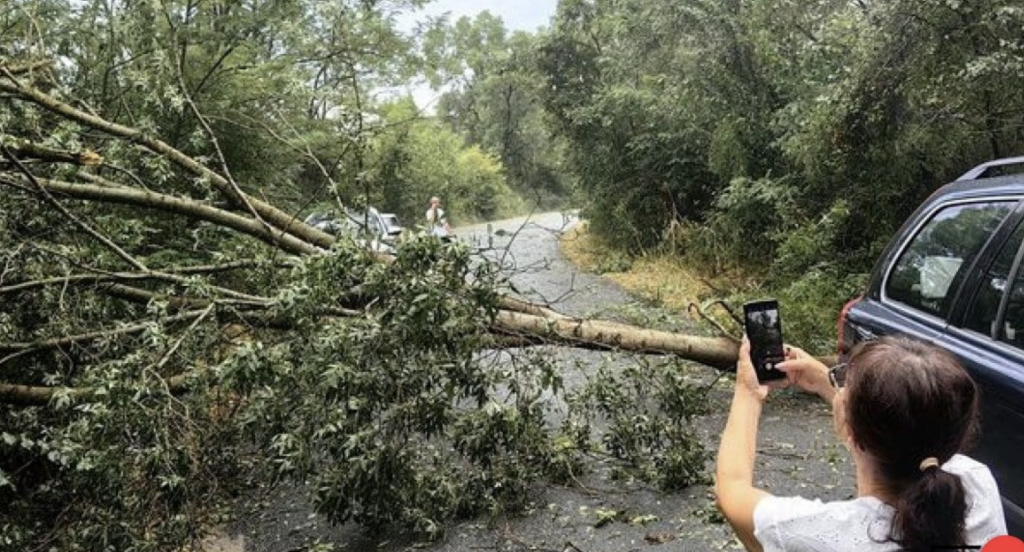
980,170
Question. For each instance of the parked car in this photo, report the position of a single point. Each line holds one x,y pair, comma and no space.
325,222
368,227
391,224
369,223
953,275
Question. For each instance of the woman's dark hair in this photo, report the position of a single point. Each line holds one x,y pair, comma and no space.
907,401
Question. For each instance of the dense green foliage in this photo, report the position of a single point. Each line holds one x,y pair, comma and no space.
647,408
426,156
785,138
169,327
493,98
396,417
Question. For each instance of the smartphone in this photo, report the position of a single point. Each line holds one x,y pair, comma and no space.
764,330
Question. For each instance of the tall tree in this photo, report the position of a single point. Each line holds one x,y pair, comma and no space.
494,101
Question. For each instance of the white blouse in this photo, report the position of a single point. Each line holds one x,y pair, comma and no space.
795,524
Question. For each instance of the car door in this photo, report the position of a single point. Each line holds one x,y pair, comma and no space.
987,333
936,275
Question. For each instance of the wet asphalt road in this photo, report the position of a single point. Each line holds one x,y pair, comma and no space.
528,251
798,453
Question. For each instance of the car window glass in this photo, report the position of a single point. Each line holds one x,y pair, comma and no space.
1012,328
930,269
981,316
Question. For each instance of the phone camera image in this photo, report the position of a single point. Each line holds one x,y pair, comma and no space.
764,330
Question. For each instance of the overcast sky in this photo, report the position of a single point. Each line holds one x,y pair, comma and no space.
518,15
524,15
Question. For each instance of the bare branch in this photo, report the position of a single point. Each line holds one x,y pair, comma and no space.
57,342
244,298
174,302
191,328
79,279
30,395
29,151
279,219
694,307
69,215
27,67
100,181
144,296
173,204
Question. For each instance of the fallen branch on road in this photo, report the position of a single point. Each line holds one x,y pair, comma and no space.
717,352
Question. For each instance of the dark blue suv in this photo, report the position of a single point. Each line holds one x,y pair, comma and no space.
954,276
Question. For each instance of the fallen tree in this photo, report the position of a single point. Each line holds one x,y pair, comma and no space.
248,217
162,322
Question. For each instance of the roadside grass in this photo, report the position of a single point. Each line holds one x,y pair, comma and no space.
579,246
657,279
812,301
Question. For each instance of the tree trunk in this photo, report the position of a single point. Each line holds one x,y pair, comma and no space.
717,352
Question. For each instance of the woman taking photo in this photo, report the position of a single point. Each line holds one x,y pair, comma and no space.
905,410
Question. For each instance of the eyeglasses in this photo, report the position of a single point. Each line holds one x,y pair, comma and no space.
837,374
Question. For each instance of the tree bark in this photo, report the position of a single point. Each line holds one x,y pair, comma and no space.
172,204
63,341
30,395
717,352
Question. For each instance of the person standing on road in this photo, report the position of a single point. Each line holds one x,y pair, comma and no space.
905,410
436,221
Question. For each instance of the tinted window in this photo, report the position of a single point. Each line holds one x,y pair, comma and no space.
930,269
1012,329
981,317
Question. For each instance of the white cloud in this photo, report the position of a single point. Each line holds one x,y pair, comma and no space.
519,15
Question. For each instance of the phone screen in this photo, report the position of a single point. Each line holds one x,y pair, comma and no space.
764,329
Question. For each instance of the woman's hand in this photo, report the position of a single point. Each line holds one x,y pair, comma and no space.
806,372
746,377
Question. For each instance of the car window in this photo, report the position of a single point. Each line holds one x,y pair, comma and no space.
1011,330
981,316
374,225
930,269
